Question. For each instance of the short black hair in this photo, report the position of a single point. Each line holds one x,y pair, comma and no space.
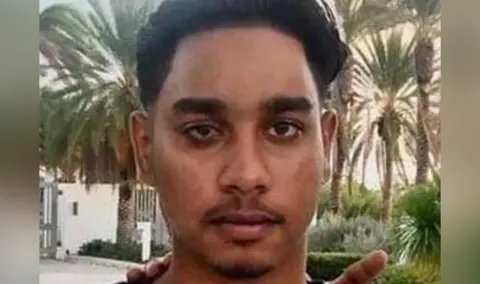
309,21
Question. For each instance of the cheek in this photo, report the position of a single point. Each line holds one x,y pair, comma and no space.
186,190
298,182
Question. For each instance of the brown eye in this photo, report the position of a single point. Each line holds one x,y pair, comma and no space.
202,133
284,130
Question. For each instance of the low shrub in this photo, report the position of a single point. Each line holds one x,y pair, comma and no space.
417,226
159,250
357,202
361,203
127,252
328,266
107,249
355,235
399,274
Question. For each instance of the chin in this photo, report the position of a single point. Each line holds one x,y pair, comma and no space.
242,268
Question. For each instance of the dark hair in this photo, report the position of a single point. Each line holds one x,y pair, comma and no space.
309,21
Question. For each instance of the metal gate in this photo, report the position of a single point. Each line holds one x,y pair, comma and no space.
48,219
147,209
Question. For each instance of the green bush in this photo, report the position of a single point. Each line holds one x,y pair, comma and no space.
396,274
328,266
361,202
417,226
355,235
159,250
127,252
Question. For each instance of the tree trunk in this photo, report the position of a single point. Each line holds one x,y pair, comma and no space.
389,134
352,166
424,72
342,99
386,212
335,190
422,150
125,210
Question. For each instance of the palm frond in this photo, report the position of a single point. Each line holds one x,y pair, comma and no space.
92,57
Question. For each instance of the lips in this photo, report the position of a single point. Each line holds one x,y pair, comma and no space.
244,226
244,218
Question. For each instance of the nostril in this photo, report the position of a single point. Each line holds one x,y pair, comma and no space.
244,188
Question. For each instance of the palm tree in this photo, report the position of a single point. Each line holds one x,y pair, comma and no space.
386,112
53,139
424,15
93,57
357,18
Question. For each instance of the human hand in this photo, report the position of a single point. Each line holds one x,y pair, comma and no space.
361,272
152,269
364,270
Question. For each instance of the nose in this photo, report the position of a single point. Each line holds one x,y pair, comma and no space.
245,167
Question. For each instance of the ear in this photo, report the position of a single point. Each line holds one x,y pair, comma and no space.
329,124
142,146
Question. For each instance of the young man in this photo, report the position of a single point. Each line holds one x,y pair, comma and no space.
234,137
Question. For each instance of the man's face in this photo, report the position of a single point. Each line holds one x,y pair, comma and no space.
235,148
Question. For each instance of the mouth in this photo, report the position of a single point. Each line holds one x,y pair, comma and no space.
244,226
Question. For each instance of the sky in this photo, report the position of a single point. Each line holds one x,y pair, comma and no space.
372,180
80,3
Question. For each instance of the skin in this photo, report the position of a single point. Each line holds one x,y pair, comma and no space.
236,127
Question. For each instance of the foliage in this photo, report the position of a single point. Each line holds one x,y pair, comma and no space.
413,236
362,203
397,274
125,251
385,109
417,229
355,235
423,14
92,61
107,249
90,55
358,201
328,266
363,16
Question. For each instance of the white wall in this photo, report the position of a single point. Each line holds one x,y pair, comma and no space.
97,214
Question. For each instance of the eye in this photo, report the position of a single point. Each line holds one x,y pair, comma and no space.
284,130
202,133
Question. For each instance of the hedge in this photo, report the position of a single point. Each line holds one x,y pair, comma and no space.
396,274
328,266
127,252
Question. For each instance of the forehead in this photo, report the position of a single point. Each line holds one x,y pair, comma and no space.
240,65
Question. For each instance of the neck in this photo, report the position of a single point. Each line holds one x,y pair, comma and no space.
187,269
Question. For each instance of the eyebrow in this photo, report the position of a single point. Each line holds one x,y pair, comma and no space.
284,104
206,106
214,106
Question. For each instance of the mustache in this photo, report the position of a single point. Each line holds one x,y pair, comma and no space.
237,205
